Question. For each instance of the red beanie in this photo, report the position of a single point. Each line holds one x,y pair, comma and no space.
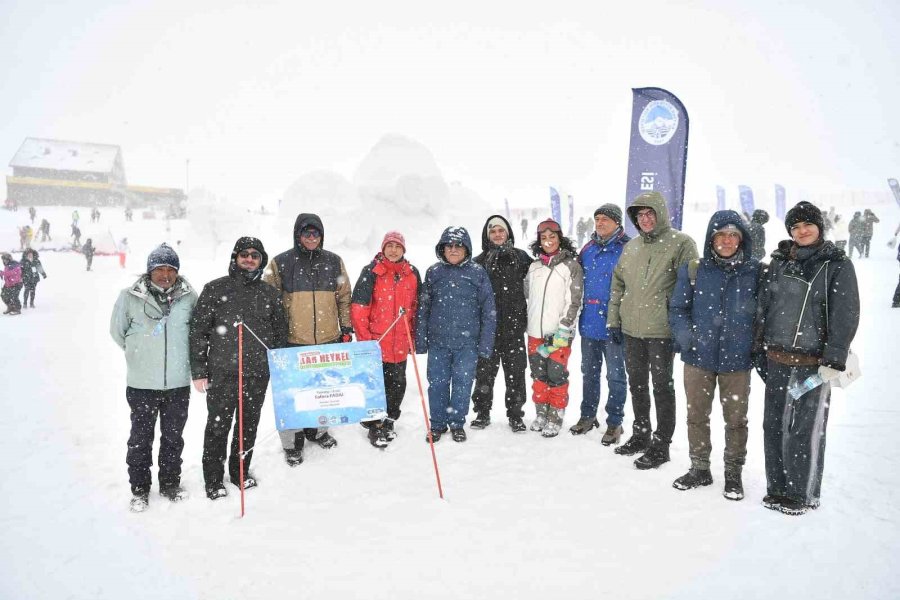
393,236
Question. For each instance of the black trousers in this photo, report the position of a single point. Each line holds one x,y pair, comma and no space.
394,386
794,434
865,243
28,293
645,357
896,294
511,354
10,297
222,405
172,408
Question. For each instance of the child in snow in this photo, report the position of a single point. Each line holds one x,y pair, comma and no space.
456,321
32,271
386,285
12,284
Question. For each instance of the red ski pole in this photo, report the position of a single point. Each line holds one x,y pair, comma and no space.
241,409
437,472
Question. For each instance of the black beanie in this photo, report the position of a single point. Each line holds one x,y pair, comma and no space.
805,212
245,243
610,210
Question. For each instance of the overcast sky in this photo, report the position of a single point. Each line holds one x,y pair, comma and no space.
509,100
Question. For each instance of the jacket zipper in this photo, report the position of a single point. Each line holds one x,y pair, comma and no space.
805,298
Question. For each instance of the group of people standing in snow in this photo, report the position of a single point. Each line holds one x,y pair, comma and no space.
635,302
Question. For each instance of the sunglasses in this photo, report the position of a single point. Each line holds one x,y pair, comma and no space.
253,255
310,234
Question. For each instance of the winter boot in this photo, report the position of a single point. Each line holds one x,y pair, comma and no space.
458,435
139,502
377,437
214,491
326,441
481,421
293,458
175,493
734,487
554,422
693,479
772,502
388,426
656,455
249,482
540,418
583,425
435,434
613,435
634,445
517,424
793,508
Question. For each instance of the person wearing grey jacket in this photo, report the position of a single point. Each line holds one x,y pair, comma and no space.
150,323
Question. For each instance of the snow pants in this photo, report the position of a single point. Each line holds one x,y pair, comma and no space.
451,372
593,352
10,296
28,293
645,357
394,386
734,393
550,376
794,434
172,408
222,405
510,352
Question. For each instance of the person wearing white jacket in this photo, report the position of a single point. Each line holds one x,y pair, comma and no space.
553,287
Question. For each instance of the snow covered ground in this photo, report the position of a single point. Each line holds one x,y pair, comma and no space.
523,516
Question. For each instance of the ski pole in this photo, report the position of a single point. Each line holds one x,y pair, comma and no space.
412,347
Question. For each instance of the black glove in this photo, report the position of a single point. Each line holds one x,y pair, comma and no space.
615,334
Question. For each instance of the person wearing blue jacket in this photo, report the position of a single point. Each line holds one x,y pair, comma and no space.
456,321
711,314
150,323
598,258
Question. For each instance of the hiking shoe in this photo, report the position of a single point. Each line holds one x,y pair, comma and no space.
792,507
481,421
458,435
388,426
377,437
613,435
326,441
175,493
656,455
249,482
517,424
293,458
633,446
772,502
366,424
693,479
435,435
734,487
139,502
214,491
540,418
583,425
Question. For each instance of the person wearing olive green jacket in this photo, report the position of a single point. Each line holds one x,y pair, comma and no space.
642,284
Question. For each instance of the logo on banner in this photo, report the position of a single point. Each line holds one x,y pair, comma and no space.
658,122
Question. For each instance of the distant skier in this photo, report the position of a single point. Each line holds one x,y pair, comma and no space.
88,251
32,212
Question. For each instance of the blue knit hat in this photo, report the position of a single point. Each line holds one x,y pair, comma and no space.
163,256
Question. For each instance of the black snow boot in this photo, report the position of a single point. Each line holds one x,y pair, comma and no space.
217,490
634,445
174,493
517,424
693,479
293,458
458,435
481,421
377,437
657,455
140,501
389,433
734,487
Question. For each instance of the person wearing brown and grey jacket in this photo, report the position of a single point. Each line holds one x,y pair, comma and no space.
315,290
642,285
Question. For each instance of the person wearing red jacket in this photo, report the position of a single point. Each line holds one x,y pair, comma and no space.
386,285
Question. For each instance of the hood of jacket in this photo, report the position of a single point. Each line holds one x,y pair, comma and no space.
456,235
655,201
486,243
721,219
304,220
244,243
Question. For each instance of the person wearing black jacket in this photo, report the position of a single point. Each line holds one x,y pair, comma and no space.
506,266
808,316
32,271
758,233
241,296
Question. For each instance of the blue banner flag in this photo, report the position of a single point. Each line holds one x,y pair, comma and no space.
895,187
720,198
506,206
657,155
746,195
571,215
781,202
327,385
555,209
